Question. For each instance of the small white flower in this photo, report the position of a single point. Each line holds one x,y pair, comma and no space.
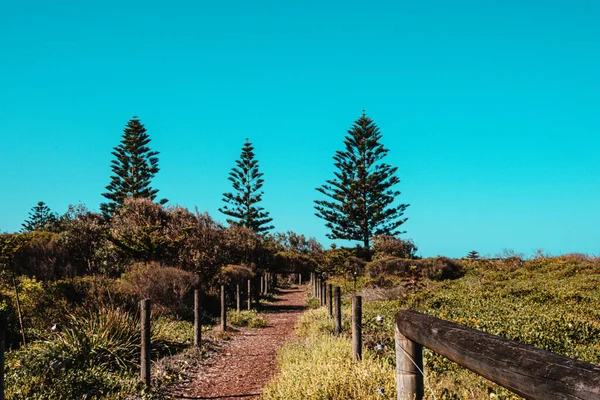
379,318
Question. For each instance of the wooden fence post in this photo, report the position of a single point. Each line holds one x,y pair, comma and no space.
197,325
338,310
330,300
262,284
323,296
317,286
2,349
145,356
223,309
409,367
299,279
266,286
249,295
238,299
357,328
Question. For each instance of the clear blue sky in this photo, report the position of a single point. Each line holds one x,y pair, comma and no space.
490,109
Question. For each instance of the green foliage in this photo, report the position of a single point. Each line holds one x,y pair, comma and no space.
473,255
241,204
320,366
133,168
391,246
235,274
542,302
246,318
166,287
40,218
361,193
95,355
437,268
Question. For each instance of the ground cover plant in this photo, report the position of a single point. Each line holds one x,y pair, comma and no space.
319,366
551,303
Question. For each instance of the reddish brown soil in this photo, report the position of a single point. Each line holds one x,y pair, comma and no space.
243,365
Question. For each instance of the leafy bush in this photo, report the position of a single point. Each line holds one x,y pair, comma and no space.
246,318
391,246
232,274
166,287
437,268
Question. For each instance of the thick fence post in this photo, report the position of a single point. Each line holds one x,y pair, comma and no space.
145,356
262,286
238,299
330,300
527,371
2,349
299,279
323,294
317,286
249,295
197,325
338,310
223,309
266,286
357,328
409,367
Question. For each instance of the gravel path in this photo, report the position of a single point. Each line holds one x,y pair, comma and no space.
244,364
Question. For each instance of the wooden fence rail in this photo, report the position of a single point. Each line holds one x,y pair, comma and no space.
525,370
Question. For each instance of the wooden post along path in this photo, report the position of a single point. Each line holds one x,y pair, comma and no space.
197,325
223,309
338,311
249,295
357,328
145,345
2,349
330,300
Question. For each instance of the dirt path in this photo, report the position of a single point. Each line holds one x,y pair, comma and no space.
243,365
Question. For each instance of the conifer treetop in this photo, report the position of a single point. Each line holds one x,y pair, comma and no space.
242,204
361,195
133,168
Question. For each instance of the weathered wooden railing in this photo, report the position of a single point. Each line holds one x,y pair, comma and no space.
525,370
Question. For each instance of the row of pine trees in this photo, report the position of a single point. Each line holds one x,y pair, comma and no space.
358,202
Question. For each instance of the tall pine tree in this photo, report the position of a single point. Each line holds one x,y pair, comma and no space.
40,218
242,203
133,168
361,195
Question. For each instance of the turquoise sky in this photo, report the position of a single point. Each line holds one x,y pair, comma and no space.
490,109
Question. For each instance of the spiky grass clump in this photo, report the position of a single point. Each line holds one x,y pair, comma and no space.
95,355
321,367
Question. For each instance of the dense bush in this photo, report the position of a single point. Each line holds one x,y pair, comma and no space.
166,287
391,246
437,268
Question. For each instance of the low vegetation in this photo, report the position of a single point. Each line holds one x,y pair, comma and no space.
544,302
246,318
318,366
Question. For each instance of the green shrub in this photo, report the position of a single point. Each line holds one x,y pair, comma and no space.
246,318
94,354
166,287
438,268
313,303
